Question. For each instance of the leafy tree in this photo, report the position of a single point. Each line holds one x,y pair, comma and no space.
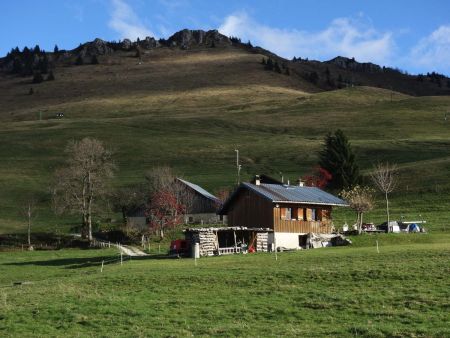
319,178
361,200
165,211
338,159
83,182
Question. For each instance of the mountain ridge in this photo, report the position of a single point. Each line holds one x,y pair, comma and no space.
335,73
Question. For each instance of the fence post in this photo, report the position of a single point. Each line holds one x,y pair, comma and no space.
101,270
121,258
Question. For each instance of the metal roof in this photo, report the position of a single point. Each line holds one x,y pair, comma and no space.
199,189
295,194
277,193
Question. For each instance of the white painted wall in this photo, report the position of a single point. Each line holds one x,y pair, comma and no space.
287,240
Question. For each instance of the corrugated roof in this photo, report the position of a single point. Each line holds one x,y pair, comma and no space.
199,189
295,194
277,193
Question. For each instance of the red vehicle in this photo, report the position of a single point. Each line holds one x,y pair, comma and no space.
180,247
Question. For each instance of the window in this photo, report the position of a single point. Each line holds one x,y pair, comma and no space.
313,214
286,213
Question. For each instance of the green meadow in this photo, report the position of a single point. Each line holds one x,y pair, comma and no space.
402,291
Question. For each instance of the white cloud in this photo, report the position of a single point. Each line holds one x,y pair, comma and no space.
433,51
126,22
344,36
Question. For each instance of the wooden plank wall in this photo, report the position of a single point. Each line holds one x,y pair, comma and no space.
303,226
251,210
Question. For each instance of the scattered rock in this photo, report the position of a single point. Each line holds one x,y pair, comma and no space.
187,38
352,64
127,44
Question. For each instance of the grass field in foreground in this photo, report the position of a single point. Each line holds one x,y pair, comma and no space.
403,291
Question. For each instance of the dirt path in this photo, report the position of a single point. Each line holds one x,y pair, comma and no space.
130,250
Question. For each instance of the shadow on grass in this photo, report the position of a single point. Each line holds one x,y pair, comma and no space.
85,262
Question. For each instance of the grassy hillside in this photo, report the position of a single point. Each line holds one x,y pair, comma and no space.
401,292
191,109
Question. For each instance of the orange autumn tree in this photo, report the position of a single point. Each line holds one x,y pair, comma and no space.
319,178
164,211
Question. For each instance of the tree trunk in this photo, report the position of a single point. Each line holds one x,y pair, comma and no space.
161,232
387,214
359,222
89,207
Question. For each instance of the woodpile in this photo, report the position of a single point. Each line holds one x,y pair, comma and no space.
262,241
206,240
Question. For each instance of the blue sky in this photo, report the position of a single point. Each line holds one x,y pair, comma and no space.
412,35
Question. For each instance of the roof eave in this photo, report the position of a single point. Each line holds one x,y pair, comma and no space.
310,202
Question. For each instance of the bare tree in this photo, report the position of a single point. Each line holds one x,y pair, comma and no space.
361,200
384,178
29,212
81,184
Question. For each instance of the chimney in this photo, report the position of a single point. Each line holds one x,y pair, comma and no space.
300,182
257,180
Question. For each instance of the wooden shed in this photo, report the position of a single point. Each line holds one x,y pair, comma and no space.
228,240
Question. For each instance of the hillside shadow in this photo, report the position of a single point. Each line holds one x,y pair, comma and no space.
78,263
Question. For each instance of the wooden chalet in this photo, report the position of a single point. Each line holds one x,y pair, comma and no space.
291,211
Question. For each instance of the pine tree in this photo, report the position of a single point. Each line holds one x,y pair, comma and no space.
287,71
313,77
79,61
17,66
37,78
263,61
94,60
276,67
56,49
338,159
269,64
50,76
43,64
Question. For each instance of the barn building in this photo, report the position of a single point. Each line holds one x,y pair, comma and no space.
202,208
290,211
